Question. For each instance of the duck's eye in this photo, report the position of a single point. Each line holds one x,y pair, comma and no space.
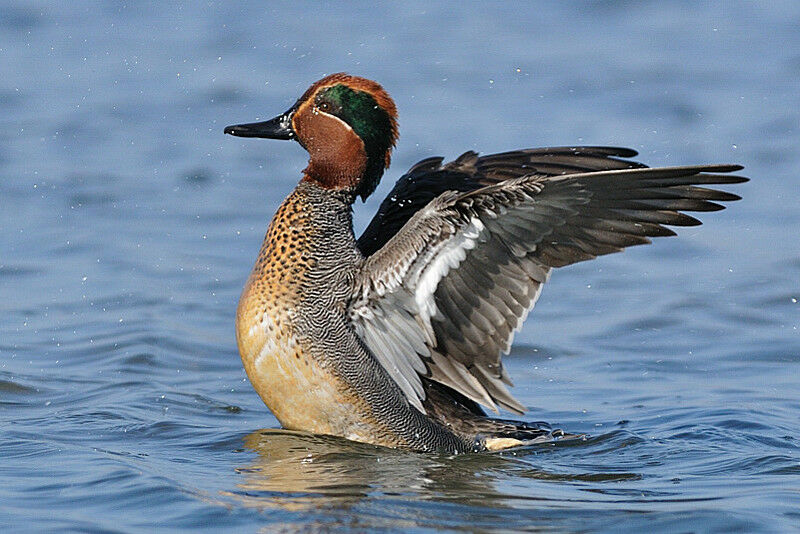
324,106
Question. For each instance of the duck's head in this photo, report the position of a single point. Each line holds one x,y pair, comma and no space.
347,124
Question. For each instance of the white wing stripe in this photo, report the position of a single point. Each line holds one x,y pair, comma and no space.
450,256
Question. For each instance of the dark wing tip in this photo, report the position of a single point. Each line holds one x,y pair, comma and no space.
621,152
733,167
735,179
627,152
710,170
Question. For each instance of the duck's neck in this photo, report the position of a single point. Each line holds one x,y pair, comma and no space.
313,187
324,219
327,210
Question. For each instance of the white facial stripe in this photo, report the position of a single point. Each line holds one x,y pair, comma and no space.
319,112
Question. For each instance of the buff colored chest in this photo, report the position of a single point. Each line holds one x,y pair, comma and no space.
301,390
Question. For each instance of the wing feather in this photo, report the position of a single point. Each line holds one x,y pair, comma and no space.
443,297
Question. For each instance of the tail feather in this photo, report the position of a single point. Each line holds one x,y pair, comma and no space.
466,419
507,433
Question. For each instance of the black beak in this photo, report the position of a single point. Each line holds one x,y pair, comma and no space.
278,128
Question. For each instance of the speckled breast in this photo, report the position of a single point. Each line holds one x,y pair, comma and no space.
299,387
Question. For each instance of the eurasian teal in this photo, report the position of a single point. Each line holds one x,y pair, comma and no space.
395,338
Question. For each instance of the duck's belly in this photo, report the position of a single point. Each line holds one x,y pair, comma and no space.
301,393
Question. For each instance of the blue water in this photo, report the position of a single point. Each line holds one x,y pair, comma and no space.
128,224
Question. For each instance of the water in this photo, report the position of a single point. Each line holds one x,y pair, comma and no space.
129,223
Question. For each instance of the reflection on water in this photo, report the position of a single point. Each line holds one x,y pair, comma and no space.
297,471
291,465
297,480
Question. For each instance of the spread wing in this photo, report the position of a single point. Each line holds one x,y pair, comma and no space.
429,178
443,296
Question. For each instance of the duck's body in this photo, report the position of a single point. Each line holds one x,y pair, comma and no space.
396,337
298,347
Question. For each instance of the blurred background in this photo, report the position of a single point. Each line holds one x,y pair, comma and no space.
129,223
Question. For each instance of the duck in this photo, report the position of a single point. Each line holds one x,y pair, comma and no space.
396,337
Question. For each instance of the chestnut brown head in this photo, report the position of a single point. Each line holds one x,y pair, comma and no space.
347,124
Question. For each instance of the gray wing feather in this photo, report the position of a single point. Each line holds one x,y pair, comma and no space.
445,295
394,338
